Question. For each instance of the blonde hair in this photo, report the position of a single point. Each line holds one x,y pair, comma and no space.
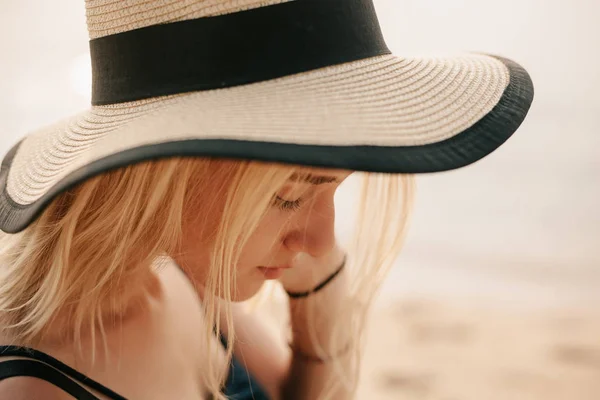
94,238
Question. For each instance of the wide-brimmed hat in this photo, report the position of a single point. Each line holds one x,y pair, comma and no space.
308,82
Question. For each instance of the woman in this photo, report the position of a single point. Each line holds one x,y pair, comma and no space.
206,166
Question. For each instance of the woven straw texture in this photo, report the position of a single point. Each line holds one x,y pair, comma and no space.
384,101
108,17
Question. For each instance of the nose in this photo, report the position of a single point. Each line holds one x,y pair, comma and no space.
314,230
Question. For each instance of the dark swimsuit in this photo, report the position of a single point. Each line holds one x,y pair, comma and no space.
240,385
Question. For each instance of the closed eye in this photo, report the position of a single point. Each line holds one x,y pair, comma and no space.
287,205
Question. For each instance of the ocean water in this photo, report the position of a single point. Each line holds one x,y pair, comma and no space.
521,227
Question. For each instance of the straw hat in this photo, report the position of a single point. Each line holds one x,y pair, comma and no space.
307,82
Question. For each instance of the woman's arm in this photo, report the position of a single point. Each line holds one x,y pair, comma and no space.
320,311
291,375
261,348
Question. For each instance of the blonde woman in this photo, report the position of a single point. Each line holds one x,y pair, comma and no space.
207,166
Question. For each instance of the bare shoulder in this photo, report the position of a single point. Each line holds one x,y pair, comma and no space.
27,388
161,344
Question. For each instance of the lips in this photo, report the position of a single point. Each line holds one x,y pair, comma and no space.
277,267
273,272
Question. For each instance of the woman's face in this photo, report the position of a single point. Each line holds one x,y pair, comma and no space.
300,219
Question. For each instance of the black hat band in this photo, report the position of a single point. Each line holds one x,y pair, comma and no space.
233,49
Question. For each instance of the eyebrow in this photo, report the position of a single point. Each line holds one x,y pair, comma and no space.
313,179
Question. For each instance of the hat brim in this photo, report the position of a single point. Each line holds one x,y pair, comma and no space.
382,114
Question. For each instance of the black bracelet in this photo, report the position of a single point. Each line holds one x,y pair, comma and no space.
320,285
316,359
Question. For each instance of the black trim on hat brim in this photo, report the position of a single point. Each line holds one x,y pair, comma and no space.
461,150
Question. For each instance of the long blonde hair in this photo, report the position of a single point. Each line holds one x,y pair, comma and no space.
92,240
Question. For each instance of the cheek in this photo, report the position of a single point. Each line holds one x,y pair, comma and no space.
265,246
198,232
193,256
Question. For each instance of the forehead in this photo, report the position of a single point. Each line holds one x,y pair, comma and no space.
318,176
339,174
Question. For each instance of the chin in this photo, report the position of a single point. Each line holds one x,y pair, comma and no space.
246,289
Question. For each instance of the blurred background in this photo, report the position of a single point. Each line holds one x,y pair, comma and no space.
497,293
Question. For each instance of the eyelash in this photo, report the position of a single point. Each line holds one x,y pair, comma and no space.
287,205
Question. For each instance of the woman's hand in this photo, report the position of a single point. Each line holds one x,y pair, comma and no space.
307,271
314,323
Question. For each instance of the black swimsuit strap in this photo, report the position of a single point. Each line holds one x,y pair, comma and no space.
37,369
49,369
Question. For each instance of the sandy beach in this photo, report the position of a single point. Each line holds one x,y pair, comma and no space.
453,350
465,346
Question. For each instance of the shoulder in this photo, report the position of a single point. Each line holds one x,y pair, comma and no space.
27,388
